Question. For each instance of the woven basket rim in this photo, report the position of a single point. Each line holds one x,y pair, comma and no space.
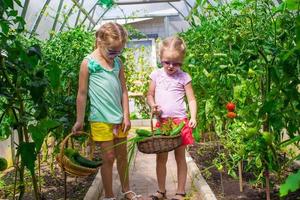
65,163
176,142
160,137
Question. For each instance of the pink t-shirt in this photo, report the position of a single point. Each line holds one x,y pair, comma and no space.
170,92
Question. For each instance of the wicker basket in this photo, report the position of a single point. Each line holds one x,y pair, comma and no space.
68,166
159,144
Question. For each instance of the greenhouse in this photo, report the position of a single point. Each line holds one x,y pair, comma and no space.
150,99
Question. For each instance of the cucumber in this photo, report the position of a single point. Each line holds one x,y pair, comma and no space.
3,164
196,135
70,153
143,133
86,162
76,158
158,132
177,130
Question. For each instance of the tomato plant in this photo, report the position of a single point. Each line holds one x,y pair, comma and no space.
250,57
137,70
23,83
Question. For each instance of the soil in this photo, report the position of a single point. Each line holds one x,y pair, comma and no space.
52,183
203,156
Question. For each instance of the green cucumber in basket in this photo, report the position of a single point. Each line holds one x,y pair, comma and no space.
143,133
70,154
76,158
157,132
86,162
177,130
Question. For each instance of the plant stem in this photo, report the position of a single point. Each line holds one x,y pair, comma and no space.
241,176
220,172
12,146
35,187
22,184
21,169
16,174
39,175
65,185
267,176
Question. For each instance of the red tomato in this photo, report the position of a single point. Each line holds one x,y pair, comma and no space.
231,115
230,106
158,125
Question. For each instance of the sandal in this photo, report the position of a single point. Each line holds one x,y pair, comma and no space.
134,197
155,197
179,194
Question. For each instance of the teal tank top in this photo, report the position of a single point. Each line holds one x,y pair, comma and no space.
105,92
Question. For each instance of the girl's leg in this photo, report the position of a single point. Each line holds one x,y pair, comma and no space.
121,156
122,164
181,169
161,171
106,169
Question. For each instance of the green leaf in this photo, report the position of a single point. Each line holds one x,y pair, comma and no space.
19,3
106,3
13,13
292,4
28,155
292,183
4,131
298,31
9,3
290,141
41,130
54,76
4,27
49,124
38,134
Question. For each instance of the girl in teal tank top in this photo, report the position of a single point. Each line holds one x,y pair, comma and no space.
105,92
102,78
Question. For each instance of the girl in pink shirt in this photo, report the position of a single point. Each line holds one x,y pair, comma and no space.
167,90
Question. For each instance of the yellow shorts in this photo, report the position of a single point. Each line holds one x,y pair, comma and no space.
104,131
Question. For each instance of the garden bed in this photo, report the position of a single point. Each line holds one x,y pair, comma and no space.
203,155
52,185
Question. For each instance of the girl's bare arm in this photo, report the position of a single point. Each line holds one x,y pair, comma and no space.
81,95
192,103
125,100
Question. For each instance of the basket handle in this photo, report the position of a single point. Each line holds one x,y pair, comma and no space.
151,123
63,144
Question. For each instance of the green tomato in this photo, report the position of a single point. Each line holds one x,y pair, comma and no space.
251,73
268,137
205,56
220,167
251,132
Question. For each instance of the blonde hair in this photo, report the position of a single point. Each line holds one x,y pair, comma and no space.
111,32
172,43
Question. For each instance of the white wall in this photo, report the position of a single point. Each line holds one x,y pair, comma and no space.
158,26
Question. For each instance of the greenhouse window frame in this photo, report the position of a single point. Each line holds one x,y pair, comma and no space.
129,2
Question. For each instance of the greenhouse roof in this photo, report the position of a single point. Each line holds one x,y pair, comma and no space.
57,15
